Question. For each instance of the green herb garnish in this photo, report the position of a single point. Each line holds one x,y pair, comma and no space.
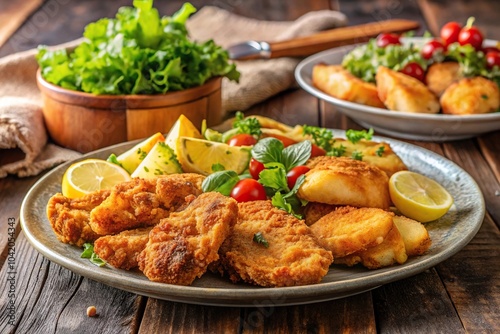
355,136
259,238
380,151
88,253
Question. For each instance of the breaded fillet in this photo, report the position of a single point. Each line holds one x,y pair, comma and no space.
400,92
345,181
348,230
70,218
292,255
141,202
182,246
378,154
390,251
313,211
121,250
415,236
476,95
340,83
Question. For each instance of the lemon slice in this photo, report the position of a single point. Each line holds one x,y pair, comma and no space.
205,157
183,127
419,197
87,176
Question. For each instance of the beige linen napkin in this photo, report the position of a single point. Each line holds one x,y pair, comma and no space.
21,120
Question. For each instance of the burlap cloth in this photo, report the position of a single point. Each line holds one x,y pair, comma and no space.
21,119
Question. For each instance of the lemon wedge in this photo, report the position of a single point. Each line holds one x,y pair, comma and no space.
419,197
87,176
183,127
205,157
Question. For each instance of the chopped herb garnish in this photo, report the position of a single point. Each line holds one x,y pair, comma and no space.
88,253
355,136
380,151
259,238
320,136
357,155
337,151
249,125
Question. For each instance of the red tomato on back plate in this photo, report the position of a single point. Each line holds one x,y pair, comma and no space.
242,139
248,190
449,33
414,70
385,39
471,35
493,59
432,47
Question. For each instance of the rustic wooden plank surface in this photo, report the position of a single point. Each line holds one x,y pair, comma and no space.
459,295
13,14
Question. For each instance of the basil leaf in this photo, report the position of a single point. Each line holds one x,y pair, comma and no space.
222,181
296,154
268,150
274,178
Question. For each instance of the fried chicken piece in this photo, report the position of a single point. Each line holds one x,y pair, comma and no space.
70,218
141,202
121,250
415,236
291,256
348,230
468,96
440,76
400,92
345,181
340,83
390,251
182,246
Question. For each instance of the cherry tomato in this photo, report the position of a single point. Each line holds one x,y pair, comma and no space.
285,140
414,70
248,190
317,151
385,39
431,48
294,173
493,59
242,139
449,33
255,167
471,35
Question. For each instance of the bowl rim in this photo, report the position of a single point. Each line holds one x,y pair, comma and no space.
131,101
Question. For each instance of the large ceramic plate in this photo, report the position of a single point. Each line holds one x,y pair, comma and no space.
449,234
428,127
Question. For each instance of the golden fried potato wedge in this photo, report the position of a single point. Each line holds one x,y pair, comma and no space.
440,76
389,252
476,95
345,181
415,236
348,230
340,83
400,92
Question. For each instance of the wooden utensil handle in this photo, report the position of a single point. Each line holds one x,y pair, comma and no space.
308,45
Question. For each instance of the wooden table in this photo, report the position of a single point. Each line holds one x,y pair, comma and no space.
461,294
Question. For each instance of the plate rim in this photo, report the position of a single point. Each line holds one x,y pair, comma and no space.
255,296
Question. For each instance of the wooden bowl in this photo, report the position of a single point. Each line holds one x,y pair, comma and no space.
85,122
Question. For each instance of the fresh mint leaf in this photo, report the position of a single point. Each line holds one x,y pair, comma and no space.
222,181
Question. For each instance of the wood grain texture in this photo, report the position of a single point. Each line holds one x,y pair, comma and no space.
490,147
13,14
471,278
